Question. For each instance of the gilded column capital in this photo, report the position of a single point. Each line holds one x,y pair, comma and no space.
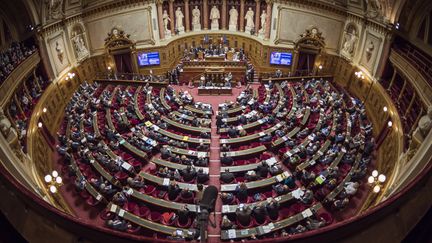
269,1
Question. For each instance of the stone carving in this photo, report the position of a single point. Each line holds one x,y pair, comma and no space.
117,38
60,52
179,20
249,17
233,13
263,24
369,50
166,20
80,46
425,123
214,17
6,127
196,19
349,45
374,8
55,10
312,36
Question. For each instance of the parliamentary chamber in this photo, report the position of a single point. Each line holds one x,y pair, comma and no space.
377,51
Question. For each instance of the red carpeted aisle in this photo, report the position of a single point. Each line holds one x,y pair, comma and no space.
213,233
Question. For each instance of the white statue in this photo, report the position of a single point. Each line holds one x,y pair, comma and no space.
179,18
55,10
349,45
369,50
60,53
166,19
249,20
263,20
80,47
196,19
214,16
233,13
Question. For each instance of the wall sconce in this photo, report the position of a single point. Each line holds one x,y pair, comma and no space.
44,110
109,68
70,75
389,124
39,124
376,181
53,181
320,67
385,109
359,75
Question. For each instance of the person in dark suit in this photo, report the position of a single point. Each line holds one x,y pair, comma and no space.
227,197
273,209
262,170
242,192
227,177
173,190
188,173
232,133
244,215
226,160
186,194
201,176
259,212
183,215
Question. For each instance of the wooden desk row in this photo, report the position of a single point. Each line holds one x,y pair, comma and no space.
166,181
247,167
148,224
187,152
176,166
246,152
271,227
235,110
186,127
252,137
190,118
176,136
257,184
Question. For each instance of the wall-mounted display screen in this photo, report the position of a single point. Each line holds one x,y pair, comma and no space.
281,58
148,59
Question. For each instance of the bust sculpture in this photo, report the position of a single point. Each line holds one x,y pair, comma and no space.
214,17
249,20
425,123
233,13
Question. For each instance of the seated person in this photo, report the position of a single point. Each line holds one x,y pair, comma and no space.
226,223
227,197
243,215
226,160
201,176
188,173
259,213
118,224
273,209
227,177
186,194
173,190
262,170
280,189
251,176
183,215
242,192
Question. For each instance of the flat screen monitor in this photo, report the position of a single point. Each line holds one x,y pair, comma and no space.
281,58
148,59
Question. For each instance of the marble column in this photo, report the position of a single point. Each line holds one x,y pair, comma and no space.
242,15
187,16
224,15
205,13
269,18
160,20
257,16
171,15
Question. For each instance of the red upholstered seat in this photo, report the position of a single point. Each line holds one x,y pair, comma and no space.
149,189
144,212
166,219
327,217
185,225
121,176
131,207
91,201
155,217
105,215
135,229
251,224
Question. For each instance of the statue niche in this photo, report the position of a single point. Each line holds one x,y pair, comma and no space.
79,43
350,41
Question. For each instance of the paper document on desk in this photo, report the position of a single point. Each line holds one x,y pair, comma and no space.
232,234
298,193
